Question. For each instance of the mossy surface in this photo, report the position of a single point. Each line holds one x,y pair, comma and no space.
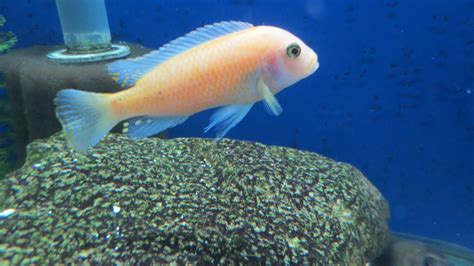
188,200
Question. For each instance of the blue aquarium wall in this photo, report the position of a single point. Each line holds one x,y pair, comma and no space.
394,94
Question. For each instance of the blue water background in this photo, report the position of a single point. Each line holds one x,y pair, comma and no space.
394,94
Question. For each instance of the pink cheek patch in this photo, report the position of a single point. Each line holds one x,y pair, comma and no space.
272,68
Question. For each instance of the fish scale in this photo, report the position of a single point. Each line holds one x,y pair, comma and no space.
195,88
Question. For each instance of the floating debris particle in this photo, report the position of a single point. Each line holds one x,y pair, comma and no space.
116,209
6,213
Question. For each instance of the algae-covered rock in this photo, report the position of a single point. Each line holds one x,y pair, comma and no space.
189,200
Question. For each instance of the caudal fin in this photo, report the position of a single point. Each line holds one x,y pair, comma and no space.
85,116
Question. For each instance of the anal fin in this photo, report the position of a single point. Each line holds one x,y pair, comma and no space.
227,117
144,126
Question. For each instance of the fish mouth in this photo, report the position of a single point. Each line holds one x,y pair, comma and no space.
313,63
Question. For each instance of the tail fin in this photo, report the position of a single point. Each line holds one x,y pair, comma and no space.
85,116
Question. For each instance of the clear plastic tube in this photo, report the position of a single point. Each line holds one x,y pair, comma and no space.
85,26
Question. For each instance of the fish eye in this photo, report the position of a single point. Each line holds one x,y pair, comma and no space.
293,50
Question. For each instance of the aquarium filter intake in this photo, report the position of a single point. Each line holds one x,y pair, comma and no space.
86,33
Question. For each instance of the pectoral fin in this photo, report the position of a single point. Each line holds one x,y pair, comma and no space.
271,103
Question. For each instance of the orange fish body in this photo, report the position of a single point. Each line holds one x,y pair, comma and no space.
230,65
207,76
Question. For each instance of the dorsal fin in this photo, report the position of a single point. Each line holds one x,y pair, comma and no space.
127,72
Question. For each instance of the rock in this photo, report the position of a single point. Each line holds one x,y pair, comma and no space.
188,200
32,82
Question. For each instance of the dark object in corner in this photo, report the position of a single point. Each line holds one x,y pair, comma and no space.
405,249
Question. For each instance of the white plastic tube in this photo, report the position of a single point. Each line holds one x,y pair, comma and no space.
85,26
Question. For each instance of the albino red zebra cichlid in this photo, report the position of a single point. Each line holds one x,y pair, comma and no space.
231,65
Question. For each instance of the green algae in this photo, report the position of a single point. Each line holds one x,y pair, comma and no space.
189,200
7,39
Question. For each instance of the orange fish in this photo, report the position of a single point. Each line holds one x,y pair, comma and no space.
230,65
